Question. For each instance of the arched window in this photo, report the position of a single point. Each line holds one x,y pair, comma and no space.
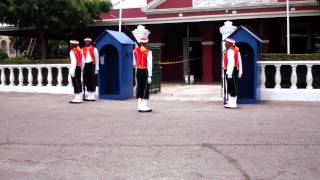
4,46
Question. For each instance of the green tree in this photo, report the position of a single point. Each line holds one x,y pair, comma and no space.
52,15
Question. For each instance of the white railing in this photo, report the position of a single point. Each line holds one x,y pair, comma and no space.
293,93
39,84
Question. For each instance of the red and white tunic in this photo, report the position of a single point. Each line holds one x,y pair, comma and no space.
90,54
143,59
231,60
75,59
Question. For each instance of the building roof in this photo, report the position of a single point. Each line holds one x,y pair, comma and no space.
173,11
248,31
119,36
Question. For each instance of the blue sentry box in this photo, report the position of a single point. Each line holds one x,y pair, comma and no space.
249,45
115,77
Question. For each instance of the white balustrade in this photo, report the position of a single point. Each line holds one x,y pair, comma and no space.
39,87
293,93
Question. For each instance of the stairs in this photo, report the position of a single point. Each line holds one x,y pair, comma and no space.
31,46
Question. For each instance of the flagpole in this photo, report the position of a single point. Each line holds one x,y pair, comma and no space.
288,28
120,16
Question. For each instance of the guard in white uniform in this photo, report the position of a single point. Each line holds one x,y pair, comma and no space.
75,70
90,57
142,57
233,71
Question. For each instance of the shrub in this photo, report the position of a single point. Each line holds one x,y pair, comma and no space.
286,57
3,55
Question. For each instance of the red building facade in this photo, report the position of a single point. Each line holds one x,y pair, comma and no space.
169,21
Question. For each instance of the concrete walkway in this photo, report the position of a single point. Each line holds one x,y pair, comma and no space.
43,137
182,92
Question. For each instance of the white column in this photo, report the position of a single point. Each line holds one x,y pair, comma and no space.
11,78
309,77
30,77
49,78
20,79
288,26
59,77
3,77
277,77
226,30
39,77
294,76
263,76
120,15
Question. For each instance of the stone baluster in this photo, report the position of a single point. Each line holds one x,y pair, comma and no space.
3,77
49,76
278,77
294,78
11,78
39,76
30,77
59,77
309,77
263,76
20,79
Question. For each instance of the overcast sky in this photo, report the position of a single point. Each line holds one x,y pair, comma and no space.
129,3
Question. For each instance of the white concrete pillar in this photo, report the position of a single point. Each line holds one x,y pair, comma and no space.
30,77
3,77
49,78
294,78
20,79
263,76
39,76
59,77
309,78
226,30
11,78
277,78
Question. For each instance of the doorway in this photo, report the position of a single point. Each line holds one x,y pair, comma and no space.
246,82
195,57
109,84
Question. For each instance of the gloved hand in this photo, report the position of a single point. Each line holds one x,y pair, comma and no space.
239,75
96,72
72,74
229,76
149,80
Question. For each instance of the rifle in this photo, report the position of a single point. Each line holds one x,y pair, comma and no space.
84,87
130,34
225,93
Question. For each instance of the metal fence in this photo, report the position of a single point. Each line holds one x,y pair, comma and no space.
156,71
